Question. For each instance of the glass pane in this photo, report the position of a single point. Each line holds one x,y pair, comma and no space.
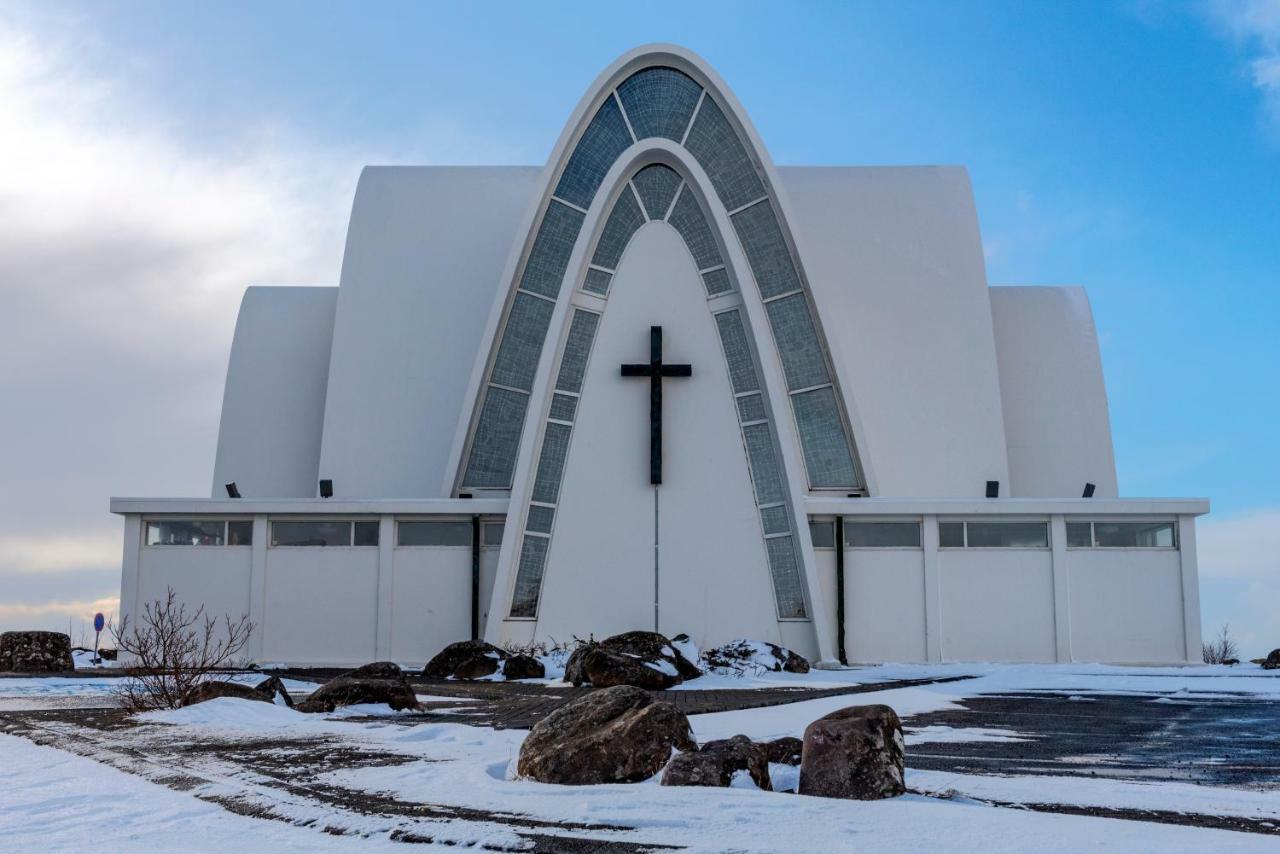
601,143
766,474
493,451
555,447
240,533
562,407
786,577
797,340
577,347
367,533
311,533
1144,535
552,247
521,344
186,532
659,102
597,282
493,533
454,532
713,141
1008,535
751,408
533,559
717,282
823,534
1079,535
686,218
826,449
776,519
951,535
657,185
624,220
766,250
884,535
540,519
733,337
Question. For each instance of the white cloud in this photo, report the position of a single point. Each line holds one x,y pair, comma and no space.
1254,25
126,242
1239,560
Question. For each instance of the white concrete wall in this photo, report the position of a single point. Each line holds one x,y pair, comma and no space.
1126,605
321,605
216,577
996,604
885,605
423,265
894,259
1055,401
273,403
430,600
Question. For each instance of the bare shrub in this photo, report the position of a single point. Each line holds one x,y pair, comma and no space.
1221,650
171,650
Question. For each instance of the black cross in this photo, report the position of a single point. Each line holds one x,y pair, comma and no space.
655,371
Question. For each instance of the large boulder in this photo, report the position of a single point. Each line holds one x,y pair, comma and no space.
643,659
1272,661
376,670
614,735
654,647
471,656
604,669
854,753
523,667
36,652
351,691
785,751
717,762
214,689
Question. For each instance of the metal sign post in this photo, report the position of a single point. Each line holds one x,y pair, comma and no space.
99,622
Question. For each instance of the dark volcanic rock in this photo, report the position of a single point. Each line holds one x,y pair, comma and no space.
376,670
717,762
605,668
652,646
350,691
854,753
274,687
785,750
477,666
1272,661
573,669
523,667
621,660
36,652
214,689
614,735
446,662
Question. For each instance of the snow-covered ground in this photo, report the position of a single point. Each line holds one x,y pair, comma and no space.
57,801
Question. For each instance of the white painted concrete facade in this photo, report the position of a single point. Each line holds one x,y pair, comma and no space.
849,362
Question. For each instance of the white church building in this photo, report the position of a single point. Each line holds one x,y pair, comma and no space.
663,382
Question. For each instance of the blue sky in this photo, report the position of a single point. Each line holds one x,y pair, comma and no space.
1130,147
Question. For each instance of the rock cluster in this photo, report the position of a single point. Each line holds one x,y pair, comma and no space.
716,763
645,660
36,652
854,753
614,735
745,655
1272,661
469,659
265,691
380,682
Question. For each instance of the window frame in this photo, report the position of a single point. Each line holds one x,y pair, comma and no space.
1105,520
441,519
351,533
226,521
964,522
899,520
